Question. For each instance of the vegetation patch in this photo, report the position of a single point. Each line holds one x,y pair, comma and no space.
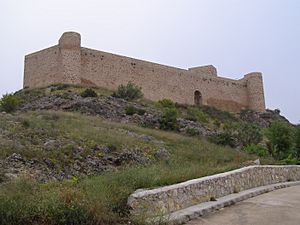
88,93
131,110
99,199
195,114
169,119
9,103
165,103
128,92
257,150
72,146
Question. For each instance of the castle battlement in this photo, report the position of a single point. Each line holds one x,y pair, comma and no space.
69,63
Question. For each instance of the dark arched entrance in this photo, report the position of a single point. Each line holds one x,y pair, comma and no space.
198,98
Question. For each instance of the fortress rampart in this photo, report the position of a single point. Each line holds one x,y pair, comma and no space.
69,63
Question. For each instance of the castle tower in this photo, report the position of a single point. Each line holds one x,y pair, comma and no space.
255,89
70,58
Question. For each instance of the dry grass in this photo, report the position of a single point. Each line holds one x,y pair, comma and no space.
101,199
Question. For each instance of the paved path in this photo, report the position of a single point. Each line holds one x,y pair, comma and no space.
281,207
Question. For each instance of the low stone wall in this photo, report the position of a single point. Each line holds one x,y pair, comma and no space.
171,198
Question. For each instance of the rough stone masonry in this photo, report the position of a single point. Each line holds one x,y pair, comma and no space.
168,199
69,63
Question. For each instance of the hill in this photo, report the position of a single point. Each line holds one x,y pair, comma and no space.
68,157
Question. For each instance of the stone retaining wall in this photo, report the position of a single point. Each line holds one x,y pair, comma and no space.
179,196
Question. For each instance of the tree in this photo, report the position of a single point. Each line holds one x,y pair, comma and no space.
297,141
280,135
249,134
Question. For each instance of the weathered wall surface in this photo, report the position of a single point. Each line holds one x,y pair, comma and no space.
179,196
71,64
158,81
256,98
42,68
70,58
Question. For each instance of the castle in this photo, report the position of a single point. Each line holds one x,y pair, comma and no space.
69,63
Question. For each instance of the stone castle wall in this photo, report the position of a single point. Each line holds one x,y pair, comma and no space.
42,68
70,63
183,195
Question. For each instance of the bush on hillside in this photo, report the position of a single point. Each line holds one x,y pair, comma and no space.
165,103
88,93
128,92
169,119
291,160
280,135
217,123
257,150
195,114
130,110
225,139
297,141
59,87
249,134
228,136
222,116
192,132
9,103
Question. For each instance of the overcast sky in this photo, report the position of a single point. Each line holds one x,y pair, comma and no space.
236,36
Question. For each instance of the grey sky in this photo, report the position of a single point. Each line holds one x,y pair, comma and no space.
236,36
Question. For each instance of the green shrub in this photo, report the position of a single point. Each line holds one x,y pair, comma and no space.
195,114
128,92
217,123
222,116
297,141
59,87
130,110
291,160
257,150
169,119
165,103
249,134
66,95
141,112
226,139
280,135
9,103
229,136
25,123
231,127
192,132
88,93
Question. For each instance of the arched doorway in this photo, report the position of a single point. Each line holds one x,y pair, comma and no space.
197,98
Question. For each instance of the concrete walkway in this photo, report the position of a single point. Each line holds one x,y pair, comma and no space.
280,207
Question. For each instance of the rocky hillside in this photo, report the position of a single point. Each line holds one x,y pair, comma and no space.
48,145
145,113
38,139
71,155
